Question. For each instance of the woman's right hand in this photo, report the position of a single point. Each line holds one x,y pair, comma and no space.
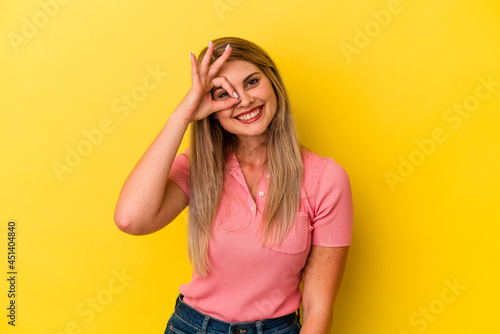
148,200
198,102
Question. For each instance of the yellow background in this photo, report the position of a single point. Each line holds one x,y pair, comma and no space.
365,107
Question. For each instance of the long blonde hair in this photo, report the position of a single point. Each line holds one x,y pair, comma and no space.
210,146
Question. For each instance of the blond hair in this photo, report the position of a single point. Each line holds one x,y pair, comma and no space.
210,146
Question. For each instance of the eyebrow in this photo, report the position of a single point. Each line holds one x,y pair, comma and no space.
246,78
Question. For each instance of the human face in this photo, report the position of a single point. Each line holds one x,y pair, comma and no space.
249,118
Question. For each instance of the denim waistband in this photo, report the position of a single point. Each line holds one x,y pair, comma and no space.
208,324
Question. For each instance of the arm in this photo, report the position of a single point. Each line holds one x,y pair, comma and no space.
148,201
322,277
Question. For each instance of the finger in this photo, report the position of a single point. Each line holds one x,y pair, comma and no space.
195,78
225,104
206,60
226,86
212,71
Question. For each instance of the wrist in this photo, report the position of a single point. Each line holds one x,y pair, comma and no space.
179,117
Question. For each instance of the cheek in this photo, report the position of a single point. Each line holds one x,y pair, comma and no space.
223,114
273,102
269,93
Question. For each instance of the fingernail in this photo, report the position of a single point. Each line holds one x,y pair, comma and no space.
236,95
190,55
209,44
227,47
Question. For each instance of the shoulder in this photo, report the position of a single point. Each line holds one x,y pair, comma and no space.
320,169
181,160
184,155
317,164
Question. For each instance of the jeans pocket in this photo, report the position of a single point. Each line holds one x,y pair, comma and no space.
173,330
293,329
175,325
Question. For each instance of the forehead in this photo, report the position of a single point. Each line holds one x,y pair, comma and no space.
237,69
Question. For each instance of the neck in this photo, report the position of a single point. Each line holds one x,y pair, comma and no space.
255,154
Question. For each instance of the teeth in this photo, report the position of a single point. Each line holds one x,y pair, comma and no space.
250,115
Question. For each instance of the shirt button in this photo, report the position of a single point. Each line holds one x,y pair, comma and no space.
252,208
268,175
261,193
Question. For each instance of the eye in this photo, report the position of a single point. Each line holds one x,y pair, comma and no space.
219,95
222,95
253,82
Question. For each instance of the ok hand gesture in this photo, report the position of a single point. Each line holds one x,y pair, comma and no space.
198,102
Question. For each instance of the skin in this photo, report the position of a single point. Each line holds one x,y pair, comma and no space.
149,201
322,277
254,90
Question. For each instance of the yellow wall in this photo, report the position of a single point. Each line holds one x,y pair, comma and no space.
404,94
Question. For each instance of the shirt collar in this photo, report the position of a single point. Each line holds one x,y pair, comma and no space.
232,163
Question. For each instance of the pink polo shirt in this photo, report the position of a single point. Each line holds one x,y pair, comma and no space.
249,282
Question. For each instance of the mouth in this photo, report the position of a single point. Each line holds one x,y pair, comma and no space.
250,116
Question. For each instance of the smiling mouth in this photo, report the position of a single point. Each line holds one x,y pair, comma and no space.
251,115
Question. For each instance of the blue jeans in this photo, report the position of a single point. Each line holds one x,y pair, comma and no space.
188,320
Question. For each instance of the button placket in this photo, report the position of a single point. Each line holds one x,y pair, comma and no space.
260,198
238,176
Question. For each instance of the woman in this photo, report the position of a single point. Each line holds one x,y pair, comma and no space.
264,212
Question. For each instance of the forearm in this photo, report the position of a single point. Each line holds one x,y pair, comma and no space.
146,192
142,193
316,324
322,277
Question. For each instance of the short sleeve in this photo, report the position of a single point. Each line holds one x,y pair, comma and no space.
179,172
333,210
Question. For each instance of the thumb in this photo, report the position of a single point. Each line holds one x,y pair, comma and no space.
225,104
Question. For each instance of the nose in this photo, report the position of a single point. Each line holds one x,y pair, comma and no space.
246,99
